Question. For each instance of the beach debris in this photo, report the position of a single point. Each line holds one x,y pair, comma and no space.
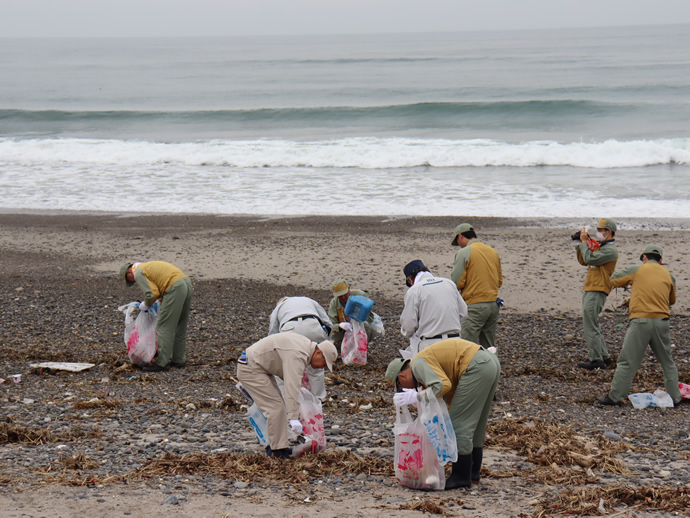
63,366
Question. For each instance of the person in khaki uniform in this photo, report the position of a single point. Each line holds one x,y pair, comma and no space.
477,274
600,264
161,280
653,292
286,356
337,316
466,376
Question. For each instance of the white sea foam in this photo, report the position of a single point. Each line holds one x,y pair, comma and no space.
364,153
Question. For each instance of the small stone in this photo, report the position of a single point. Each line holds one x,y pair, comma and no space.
172,500
613,436
240,485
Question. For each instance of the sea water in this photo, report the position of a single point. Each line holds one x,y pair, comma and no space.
570,123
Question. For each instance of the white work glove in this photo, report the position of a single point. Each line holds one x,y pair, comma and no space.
295,426
345,326
406,397
143,307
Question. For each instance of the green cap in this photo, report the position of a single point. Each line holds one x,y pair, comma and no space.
652,249
123,272
608,224
462,227
394,369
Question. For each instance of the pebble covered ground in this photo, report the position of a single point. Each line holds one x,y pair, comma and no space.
99,427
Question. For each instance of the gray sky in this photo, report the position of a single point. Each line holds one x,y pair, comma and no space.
86,18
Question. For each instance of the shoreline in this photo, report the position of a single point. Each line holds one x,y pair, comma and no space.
628,223
541,273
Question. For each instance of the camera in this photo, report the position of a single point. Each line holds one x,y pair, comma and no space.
576,236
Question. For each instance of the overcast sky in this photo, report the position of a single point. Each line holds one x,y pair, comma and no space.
85,18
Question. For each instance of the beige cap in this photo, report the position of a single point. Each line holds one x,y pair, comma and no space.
462,227
330,353
340,288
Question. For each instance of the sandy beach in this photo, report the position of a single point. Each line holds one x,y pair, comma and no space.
60,292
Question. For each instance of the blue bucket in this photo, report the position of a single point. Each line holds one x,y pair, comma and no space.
358,307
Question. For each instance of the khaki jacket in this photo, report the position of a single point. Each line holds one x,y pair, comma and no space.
285,355
653,289
155,278
477,273
601,265
440,365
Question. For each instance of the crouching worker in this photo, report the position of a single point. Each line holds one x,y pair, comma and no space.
285,355
466,376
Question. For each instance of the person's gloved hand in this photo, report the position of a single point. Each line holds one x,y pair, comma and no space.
406,397
143,307
296,426
345,326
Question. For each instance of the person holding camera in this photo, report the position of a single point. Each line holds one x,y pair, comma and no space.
599,256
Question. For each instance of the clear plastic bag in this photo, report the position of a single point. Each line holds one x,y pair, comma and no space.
434,415
416,462
354,346
140,334
259,423
377,325
660,399
311,417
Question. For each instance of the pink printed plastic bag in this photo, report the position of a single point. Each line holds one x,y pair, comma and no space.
684,390
140,334
311,417
416,462
354,346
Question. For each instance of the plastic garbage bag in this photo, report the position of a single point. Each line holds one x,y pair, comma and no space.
311,417
434,415
684,390
660,399
140,334
416,462
412,349
377,325
259,423
354,345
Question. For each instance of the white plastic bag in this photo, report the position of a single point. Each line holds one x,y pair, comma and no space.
434,415
311,417
354,345
416,462
412,349
660,399
684,390
259,423
140,334
377,325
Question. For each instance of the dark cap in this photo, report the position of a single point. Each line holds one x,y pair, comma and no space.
413,267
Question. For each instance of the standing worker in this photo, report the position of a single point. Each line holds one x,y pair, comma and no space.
161,280
600,257
286,356
433,308
477,274
305,317
466,376
337,316
653,292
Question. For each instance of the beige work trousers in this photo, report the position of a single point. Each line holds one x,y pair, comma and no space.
263,389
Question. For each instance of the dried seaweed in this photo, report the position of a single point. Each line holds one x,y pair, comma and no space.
97,403
592,500
13,433
259,468
78,462
547,444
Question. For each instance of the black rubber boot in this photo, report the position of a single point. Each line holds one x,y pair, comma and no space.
477,454
282,453
460,474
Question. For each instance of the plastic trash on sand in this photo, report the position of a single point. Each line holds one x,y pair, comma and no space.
659,399
684,390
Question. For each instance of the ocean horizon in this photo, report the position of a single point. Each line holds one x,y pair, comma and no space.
564,123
